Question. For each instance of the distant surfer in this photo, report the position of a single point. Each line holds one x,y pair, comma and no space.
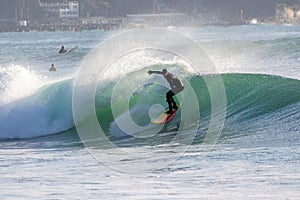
176,87
52,68
62,50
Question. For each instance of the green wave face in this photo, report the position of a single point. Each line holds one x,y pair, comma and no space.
249,97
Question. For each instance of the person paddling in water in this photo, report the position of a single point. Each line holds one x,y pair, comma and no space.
52,68
62,50
176,87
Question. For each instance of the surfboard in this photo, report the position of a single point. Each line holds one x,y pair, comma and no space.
164,118
73,49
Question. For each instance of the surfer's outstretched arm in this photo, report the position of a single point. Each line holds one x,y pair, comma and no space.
154,72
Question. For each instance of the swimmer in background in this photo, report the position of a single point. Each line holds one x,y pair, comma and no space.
52,68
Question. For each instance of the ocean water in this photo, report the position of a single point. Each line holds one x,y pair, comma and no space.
240,140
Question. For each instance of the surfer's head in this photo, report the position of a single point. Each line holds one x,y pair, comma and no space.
164,72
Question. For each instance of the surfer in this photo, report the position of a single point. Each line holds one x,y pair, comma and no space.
52,68
176,87
62,50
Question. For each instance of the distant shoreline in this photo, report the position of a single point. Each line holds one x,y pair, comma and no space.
77,27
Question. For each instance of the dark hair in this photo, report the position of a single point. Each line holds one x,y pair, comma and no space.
164,71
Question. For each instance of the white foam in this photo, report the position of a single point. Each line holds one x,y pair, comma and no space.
29,110
17,81
26,120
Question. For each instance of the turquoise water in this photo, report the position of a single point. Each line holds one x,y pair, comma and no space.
256,155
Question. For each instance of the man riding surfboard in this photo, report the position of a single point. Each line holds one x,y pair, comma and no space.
176,87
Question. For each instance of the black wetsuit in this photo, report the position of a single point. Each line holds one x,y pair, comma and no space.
62,50
176,87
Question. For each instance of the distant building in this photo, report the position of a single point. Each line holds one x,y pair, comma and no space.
286,13
61,9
